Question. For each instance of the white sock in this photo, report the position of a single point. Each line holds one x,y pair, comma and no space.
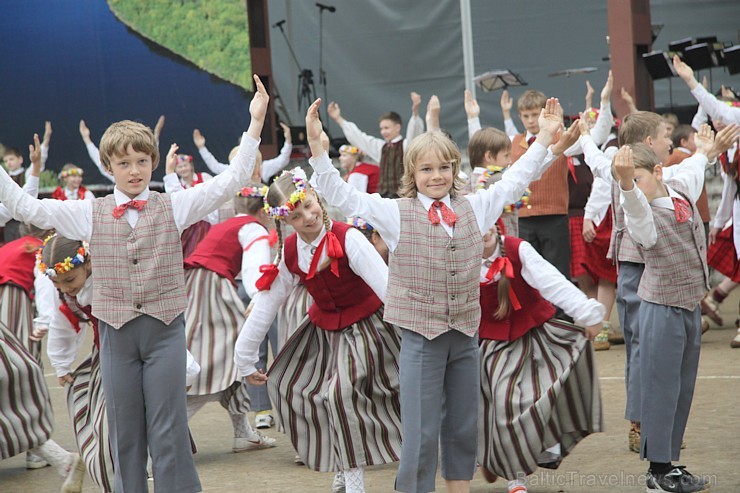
242,428
354,480
517,482
555,449
55,455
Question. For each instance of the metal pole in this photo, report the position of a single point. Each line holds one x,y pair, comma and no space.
467,45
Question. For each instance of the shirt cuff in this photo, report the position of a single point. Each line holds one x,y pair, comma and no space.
321,163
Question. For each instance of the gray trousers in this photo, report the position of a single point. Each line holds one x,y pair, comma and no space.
550,236
258,396
440,387
670,343
628,309
142,367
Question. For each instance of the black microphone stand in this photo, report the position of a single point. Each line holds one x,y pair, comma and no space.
322,72
306,88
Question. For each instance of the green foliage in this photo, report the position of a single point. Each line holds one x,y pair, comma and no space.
48,179
210,33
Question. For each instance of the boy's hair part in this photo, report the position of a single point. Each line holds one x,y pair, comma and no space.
120,135
12,151
644,157
487,139
531,100
638,126
392,116
682,132
447,150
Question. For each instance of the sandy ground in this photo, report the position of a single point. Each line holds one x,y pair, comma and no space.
601,463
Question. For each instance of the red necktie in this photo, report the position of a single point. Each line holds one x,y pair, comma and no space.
572,169
682,209
531,140
120,209
448,216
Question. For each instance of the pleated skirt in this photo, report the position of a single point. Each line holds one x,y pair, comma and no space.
26,419
86,407
537,391
16,312
213,319
337,394
192,236
292,313
721,255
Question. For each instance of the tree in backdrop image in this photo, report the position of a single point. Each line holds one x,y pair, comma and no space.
212,34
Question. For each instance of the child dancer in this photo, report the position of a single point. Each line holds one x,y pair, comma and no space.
435,243
539,389
139,293
185,171
71,187
335,382
67,264
663,219
215,313
362,176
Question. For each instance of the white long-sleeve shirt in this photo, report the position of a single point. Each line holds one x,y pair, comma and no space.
364,261
45,299
638,215
714,107
257,255
94,154
384,215
31,188
598,201
270,167
74,219
552,285
373,146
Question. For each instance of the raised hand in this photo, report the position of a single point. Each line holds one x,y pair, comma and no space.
589,95
47,133
260,100
583,125
724,140
472,110
34,151
567,139
85,132
506,104
171,159
627,97
198,139
624,168
158,127
704,139
286,133
432,115
415,103
684,71
551,117
314,129
606,92
334,111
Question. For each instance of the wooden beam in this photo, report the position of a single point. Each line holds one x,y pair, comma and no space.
259,49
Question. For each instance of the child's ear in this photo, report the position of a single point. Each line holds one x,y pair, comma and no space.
658,172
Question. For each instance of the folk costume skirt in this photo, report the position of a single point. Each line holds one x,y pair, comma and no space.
577,247
537,391
16,312
337,394
193,235
213,319
292,313
596,263
86,406
26,419
721,255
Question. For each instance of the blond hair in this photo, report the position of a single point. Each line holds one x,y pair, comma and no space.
531,100
120,135
643,157
638,126
487,139
249,205
424,143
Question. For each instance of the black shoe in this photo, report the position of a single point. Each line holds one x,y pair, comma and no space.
678,480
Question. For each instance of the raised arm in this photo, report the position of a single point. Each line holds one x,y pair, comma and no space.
638,216
472,110
372,146
432,114
715,108
415,126
506,104
93,152
271,167
605,120
212,163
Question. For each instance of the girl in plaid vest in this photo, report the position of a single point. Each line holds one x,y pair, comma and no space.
335,382
66,263
434,237
663,220
139,295
527,360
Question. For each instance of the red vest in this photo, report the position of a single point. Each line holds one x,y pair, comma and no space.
74,319
373,174
338,301
60,194
18,263
220,251
534,312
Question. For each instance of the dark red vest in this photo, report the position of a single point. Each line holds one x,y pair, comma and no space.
373,174
534,312
338,301
220,251
18,262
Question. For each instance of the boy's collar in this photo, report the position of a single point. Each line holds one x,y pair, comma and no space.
395,139
16,172
428,201
122,198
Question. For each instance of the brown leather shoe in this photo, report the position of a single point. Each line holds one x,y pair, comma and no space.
710,308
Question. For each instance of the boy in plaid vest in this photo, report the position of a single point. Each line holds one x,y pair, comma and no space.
664,222
140,297
434,237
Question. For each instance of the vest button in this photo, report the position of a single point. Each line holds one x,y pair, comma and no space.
138,306
452,248
452,297
134,261
452,273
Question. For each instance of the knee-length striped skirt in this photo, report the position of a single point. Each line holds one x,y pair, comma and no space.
16,312
337,394
537,391
26,419
86,407
293,312
213,319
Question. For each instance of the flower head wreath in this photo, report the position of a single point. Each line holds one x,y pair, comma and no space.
299,195
259,191
360,223
71,172
65,265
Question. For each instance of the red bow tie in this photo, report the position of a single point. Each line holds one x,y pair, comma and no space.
682,209
448,216
120,209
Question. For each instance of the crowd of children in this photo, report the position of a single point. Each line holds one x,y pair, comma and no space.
415,312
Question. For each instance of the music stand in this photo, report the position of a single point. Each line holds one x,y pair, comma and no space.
497,79
732,59
573,71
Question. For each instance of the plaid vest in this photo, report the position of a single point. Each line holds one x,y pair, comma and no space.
391,169
676,266
549,194
622,247
432,278
137,271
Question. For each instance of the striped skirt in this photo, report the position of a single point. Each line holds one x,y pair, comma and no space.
537,391
213,319
26,419
86,407
192,236
336,392
292,313
16,312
